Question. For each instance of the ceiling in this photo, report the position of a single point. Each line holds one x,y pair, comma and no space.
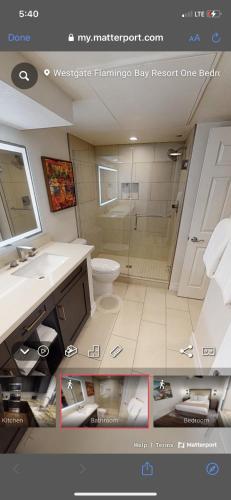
110,110
20,111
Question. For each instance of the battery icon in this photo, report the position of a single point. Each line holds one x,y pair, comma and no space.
212,14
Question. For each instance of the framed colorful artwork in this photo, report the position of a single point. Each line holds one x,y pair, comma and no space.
161,390
60,183
90,388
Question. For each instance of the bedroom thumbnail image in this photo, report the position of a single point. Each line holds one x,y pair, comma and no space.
192,402
27,402
105,401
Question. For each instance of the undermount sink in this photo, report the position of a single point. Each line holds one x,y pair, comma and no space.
41,266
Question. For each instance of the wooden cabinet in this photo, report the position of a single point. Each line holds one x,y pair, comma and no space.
26,330
89,422
73,308
10,438
4,354
66,310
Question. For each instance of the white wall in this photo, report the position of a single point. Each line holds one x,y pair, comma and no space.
46,142
196,162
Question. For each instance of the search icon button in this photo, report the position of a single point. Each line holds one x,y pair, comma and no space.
24,75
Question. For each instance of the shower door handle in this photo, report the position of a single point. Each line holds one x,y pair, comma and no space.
136,220
194,239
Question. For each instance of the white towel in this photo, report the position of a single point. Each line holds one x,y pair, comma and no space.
217,244
46,334
223,275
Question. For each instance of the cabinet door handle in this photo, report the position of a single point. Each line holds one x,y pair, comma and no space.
39,318
61,312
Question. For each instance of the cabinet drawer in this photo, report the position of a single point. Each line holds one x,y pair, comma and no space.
24,331
69,282
4,354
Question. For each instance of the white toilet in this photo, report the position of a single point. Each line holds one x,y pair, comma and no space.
79,241
101,412
104,272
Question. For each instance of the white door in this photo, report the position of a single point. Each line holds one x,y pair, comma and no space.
213,203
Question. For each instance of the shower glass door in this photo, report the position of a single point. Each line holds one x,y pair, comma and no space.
156,183
114,173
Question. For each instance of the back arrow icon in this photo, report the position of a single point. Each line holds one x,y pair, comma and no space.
17,469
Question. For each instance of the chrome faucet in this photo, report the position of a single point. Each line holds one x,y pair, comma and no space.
24,252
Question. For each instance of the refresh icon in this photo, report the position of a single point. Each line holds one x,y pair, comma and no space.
216,37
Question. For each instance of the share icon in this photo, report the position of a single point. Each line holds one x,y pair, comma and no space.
185,351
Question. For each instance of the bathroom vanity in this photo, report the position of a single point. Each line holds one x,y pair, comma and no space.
59,298
80,417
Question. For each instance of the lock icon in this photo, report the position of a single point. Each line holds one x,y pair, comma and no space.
71,37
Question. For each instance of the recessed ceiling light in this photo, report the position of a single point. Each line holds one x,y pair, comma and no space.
133,138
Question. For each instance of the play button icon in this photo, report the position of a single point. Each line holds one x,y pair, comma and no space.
43,351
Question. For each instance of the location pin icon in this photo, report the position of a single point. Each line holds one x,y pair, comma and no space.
46,72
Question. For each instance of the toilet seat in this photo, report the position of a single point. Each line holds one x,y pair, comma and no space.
104,266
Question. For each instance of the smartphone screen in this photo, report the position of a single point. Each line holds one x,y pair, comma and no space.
115,249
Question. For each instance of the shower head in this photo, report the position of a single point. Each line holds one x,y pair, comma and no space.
174,154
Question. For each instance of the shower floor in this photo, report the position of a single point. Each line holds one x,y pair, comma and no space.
141,268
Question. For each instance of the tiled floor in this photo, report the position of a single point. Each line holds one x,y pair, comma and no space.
144,268
152,325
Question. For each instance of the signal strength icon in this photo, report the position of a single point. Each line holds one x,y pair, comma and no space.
188,14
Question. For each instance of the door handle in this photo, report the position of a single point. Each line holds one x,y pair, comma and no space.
194,239
61,312
31,327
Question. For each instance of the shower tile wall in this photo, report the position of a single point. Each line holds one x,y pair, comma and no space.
158,180
83,158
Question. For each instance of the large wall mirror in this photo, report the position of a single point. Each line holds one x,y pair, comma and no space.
108,185
72,391
19,215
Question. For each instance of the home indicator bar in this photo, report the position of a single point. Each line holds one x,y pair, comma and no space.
114,494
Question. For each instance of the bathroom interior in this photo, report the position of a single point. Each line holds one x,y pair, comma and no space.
141,205
100,401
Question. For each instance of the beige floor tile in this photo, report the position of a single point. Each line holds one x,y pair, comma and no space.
128,321
195,307
135,292
77,362
151,346
120,289
125,359
174,302
155,306
96,331
179,362
179,328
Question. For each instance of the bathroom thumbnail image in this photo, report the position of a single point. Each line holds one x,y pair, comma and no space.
27,402
192,402
104,401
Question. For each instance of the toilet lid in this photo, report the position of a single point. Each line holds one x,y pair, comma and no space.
80,241
104,265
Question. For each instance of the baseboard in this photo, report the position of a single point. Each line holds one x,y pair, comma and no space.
93,308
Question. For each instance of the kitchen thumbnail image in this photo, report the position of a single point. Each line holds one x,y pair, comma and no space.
27,402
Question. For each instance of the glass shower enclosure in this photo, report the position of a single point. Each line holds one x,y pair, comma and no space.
130,200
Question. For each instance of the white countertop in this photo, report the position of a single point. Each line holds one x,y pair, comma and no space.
20,296
77,417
